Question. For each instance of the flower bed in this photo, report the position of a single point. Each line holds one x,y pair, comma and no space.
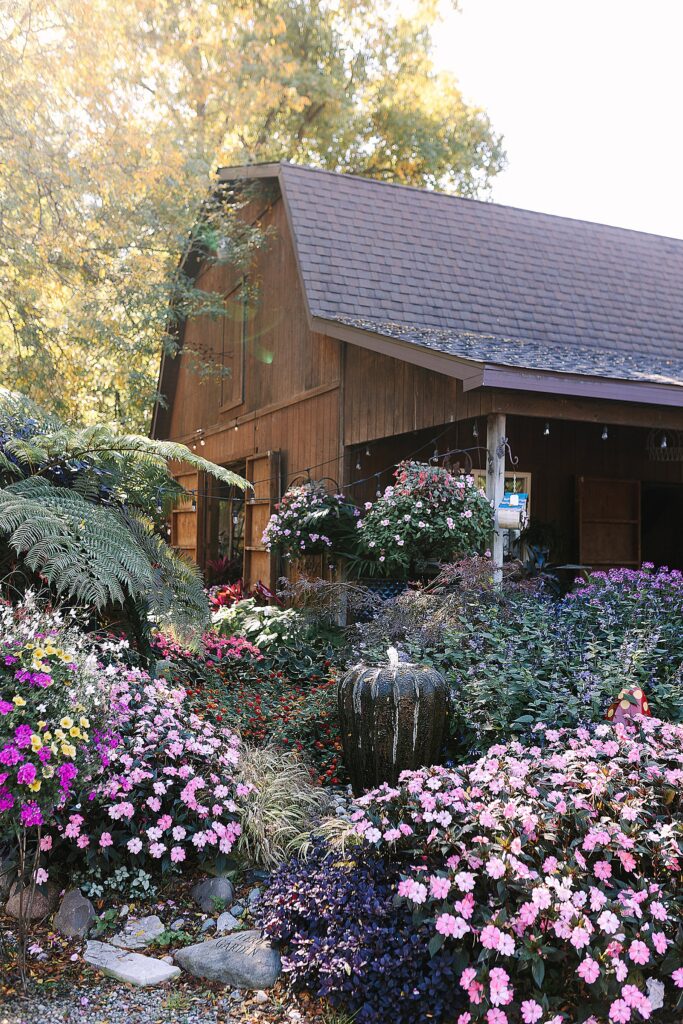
553,871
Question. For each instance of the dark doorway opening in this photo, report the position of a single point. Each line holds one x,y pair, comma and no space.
662,524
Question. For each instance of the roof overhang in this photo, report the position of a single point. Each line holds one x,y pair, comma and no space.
476,374
644,391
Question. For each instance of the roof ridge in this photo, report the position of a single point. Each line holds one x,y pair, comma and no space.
288,164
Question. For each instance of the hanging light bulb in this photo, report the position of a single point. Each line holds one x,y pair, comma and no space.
202,442
605,433
367,450
236,427
378,493
546,429
663,442
475,430
358,466
194,504
194,446
435,456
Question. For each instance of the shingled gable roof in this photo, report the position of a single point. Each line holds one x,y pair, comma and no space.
491,294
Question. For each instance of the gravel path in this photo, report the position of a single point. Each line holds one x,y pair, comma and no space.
109,1002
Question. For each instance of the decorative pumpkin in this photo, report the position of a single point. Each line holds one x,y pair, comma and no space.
392,719
628,704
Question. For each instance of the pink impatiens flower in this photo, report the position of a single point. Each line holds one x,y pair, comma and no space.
602,870
531,1011
589,970
490,937
619,1012
106,840
677,977
638,952
447,924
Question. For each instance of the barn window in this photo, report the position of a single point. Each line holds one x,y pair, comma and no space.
234,339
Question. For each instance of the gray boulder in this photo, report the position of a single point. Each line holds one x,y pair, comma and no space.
204,893
227,922
138,932
243,960
133,968
75,915
43,903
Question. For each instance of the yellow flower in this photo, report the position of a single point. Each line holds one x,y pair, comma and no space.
75,732
38,654
19,701
85,737
60,734
54,748
49,650
42,724
47,737
36,742
64,656
68,750
66,722
85,724
35,786
29,647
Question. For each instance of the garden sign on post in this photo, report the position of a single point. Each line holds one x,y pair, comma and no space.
495,485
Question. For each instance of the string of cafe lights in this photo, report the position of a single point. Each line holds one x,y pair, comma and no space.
305,472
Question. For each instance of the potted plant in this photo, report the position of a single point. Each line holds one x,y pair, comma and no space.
309,520
428,516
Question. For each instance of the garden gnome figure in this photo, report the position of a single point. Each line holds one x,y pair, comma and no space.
628,705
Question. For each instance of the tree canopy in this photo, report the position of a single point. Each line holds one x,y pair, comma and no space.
112,122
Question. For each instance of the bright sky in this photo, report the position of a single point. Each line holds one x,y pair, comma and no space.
588,95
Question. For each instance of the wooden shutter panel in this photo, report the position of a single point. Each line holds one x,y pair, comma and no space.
263,471
609,522
184,519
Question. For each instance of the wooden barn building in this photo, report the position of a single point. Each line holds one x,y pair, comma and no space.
395,322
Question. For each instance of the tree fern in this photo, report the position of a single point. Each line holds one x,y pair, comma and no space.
77,507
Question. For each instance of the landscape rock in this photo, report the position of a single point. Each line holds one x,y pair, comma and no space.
133,968
227,922
207,925
244,960
204,893
237,910
261,997
138,932
178,924
43,903
254,896
75,916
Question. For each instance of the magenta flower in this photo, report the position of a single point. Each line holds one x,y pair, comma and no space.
26,774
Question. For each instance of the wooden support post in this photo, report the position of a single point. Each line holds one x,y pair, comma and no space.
495,484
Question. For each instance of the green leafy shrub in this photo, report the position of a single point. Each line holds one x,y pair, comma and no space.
517,657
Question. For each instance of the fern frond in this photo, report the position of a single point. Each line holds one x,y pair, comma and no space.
83,550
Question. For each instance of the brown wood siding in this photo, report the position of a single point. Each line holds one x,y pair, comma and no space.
384,397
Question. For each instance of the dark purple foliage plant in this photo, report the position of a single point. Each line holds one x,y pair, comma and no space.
344,939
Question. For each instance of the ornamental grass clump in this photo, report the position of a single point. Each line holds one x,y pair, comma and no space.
428,515
552,871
